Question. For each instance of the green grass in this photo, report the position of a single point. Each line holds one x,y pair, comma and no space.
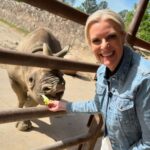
23,30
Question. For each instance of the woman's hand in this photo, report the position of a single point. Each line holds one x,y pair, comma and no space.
57,106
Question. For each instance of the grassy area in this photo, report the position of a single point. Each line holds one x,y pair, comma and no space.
23,30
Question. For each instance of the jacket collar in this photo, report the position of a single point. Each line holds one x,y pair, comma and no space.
125,65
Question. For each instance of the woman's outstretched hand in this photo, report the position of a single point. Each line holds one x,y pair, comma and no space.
57,106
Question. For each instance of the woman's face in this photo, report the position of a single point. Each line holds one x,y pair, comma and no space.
106,41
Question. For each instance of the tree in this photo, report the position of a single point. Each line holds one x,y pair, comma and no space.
123,13
144,28
103,5
90,6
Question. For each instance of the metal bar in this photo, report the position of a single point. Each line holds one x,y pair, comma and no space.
140,43
137,18
68,12
134,41
60,9
18,58
67,142
95,128
142,49
19,114
89,139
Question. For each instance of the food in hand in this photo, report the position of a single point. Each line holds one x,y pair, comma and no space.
46,100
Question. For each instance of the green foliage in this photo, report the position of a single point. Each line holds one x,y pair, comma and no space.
80,8
103,5
123,13
144,29
23,30
90,6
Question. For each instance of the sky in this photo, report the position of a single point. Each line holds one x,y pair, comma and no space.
116,5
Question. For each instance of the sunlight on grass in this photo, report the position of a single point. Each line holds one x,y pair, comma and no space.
23,30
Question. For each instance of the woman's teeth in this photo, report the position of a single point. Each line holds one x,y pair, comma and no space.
106,54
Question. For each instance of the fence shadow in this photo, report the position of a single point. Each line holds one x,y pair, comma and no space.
62,127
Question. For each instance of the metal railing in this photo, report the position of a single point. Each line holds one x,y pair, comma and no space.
62,10
86,141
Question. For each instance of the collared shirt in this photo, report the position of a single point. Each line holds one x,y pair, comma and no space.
124,101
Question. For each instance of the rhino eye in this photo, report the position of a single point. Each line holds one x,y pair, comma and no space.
30,79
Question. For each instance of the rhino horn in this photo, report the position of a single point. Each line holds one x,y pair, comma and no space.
47,50
63,52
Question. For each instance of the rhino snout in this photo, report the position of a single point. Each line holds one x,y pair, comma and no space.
54,92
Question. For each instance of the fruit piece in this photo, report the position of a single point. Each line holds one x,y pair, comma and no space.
46,100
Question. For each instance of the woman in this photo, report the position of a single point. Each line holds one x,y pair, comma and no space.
123,84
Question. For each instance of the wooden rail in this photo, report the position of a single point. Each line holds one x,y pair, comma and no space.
68,12
18,58
87,140
133,28
60,9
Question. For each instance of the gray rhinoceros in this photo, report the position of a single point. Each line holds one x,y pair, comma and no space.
29,82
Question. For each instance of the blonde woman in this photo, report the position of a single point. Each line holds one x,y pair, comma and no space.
123,84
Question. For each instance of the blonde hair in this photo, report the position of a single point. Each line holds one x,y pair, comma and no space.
105,14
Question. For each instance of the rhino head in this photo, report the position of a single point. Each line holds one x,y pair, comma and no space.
35,80
49,82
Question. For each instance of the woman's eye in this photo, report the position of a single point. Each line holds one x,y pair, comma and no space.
111,36
96,41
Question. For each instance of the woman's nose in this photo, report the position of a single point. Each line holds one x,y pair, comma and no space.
104,44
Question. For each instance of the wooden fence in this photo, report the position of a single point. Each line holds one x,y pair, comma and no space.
87,140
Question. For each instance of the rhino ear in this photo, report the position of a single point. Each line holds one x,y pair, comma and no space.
63,52
46,50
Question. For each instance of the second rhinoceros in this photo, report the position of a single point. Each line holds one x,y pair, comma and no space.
30,82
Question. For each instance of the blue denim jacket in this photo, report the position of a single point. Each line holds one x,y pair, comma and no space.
124,104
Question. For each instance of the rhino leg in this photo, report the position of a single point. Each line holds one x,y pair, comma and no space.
22,98
26,125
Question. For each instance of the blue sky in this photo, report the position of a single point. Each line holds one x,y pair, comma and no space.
116,5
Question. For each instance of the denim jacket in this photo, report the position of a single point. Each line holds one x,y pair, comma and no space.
124,101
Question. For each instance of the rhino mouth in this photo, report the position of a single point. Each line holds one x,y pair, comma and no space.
57,96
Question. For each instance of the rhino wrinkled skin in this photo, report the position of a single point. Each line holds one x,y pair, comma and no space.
30,82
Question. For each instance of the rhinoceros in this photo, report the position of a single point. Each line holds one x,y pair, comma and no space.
30,82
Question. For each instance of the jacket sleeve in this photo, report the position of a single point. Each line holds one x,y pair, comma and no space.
143,113
89,106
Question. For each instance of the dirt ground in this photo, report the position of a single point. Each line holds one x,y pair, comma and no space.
45,130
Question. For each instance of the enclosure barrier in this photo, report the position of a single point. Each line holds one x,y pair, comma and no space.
18,58
62,10
131,35
88,139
